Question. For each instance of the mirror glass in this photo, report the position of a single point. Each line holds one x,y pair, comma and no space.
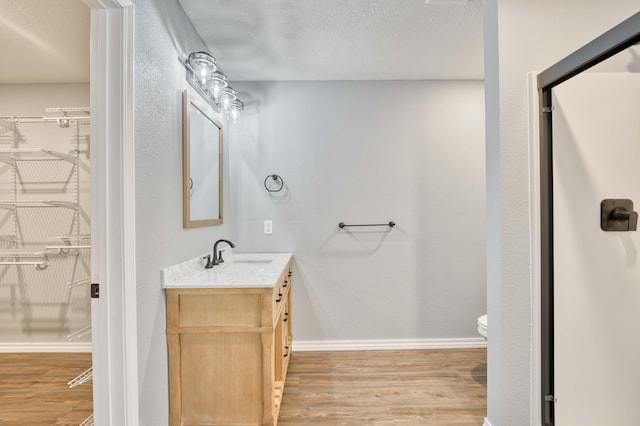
202,164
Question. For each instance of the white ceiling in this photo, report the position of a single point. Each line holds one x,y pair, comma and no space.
44,41
47,41
342,39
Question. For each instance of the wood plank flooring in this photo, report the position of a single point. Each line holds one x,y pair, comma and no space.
34,391
412,387
422,387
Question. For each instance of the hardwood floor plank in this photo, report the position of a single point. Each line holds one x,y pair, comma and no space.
363,388
34,391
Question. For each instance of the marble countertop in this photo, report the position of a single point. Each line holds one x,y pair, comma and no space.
242,270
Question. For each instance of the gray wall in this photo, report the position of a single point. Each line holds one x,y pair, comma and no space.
368,152
163,36
407,151
521,36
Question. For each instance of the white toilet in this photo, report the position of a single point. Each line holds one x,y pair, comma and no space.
482,326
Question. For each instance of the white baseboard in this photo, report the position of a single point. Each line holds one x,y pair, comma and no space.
486,422
355,345
28,347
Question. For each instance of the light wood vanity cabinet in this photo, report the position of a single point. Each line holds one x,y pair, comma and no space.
229,349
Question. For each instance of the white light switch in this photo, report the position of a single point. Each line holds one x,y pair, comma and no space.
268,227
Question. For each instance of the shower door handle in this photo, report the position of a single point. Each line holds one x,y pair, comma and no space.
631,218
618,215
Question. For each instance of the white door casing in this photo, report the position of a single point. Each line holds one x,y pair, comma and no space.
534,222
114,324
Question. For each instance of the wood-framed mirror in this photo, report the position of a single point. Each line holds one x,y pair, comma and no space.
201,164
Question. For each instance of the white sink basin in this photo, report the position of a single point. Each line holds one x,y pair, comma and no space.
241,266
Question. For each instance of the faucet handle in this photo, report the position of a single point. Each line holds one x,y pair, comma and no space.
209,263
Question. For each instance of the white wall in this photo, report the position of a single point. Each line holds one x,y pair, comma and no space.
37,308
164,37
368,152
531,36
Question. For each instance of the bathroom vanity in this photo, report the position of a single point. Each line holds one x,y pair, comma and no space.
229,337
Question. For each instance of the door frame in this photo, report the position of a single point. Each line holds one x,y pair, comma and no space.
113,256
619,38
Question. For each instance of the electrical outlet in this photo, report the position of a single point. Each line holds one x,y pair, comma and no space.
268,227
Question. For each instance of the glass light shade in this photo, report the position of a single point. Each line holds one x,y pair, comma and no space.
217,82
203,66
227,96
235,108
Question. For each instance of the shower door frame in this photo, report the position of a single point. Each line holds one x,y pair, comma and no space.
614,41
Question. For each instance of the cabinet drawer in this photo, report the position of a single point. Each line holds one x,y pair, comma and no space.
285,337
281,288
288,278
219,310
286,349
278,295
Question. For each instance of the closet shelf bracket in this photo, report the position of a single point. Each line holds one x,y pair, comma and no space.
83,377
78,283
88,421
84,331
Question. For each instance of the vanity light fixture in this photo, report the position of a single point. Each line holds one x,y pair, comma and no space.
213,84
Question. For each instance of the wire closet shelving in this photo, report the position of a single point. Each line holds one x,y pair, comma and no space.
44,240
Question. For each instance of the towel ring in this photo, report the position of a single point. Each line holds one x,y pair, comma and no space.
275,178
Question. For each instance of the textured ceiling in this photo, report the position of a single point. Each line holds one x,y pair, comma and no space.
44,41
47,41
342,40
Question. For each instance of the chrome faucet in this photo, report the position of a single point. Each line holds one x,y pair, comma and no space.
216,257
